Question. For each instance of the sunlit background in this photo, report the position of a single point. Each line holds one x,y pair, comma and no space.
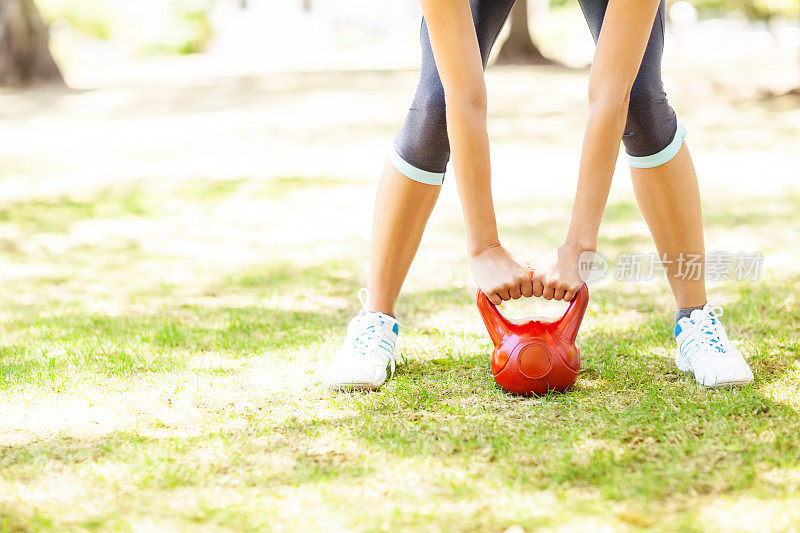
183,229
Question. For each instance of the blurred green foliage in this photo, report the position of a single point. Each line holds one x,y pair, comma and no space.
183,26
90,17
752,9
174,26
193,17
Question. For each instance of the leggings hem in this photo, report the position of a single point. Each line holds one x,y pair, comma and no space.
662,157
413,173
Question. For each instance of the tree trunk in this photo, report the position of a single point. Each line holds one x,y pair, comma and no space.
24,53
519,49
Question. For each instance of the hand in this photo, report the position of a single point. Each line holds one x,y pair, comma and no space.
500,276
556,275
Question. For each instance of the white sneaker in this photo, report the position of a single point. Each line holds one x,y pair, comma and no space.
366,359
704,349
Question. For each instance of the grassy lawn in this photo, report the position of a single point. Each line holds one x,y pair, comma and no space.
200,401
169,312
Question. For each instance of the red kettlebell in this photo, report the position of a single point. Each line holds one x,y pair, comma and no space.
535,355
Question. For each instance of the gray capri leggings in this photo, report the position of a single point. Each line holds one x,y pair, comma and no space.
652,134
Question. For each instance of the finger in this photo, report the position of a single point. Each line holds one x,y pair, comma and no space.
538,288
515,293
569,295
558,294
527,287
549,290
503,294
495,299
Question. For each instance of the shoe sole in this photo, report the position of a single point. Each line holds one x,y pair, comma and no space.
683,366
362,386
350,387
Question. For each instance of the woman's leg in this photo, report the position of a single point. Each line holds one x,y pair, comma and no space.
669,199
402,208
407,192
663,175
411,181
664,179
666,189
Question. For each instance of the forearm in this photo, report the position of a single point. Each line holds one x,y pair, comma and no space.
603,134
469,143
458,60
620,47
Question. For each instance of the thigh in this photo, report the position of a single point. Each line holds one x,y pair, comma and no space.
488,16
651,124
422,147
595,11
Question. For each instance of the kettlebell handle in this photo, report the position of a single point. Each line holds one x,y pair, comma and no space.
566,327
570,322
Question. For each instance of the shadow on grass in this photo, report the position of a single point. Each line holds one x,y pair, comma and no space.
633,427
633,430
280,313
127,345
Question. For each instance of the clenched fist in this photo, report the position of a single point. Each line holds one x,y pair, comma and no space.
500,276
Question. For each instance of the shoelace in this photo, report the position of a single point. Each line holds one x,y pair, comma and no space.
371,341
363,297
710,336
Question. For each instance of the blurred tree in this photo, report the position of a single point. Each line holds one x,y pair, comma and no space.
24,52
519,49
752,9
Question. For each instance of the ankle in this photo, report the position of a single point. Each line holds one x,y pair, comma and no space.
379,307
683,312
381,304
383,313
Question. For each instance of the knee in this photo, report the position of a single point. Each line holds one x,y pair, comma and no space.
653,135
421,146
648,107
651,122
423,138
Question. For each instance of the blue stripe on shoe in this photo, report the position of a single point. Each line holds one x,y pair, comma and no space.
664,156
411,172
396,328
678,330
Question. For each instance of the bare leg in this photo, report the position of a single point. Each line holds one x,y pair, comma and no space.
402,208
669,199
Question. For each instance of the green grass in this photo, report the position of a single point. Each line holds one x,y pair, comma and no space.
282,185
164,344
214,190
59,213
635,444
199,402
